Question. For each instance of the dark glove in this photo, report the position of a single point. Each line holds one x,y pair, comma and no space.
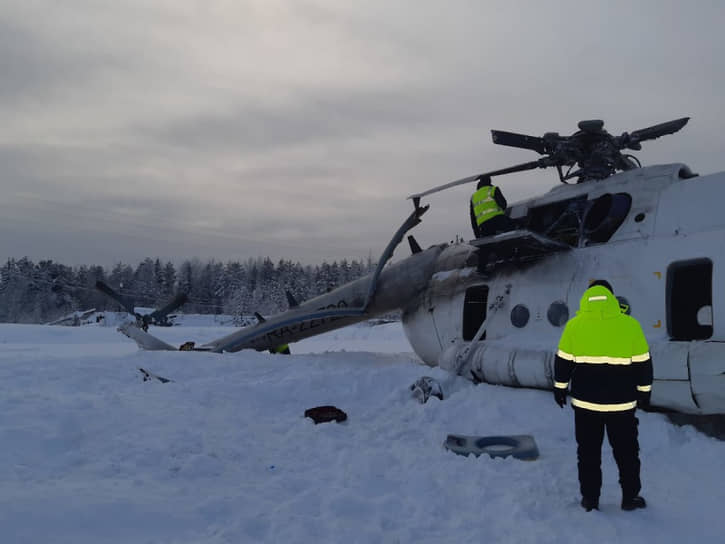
643,398
560,397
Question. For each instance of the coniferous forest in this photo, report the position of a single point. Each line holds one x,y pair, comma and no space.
41,292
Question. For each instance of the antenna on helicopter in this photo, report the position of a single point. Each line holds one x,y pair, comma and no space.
591,153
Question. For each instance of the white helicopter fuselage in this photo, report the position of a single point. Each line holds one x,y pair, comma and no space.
665,255
493,309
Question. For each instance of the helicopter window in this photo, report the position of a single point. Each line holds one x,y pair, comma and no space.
605,215
559,220
474,310
558,313
689,297
519,316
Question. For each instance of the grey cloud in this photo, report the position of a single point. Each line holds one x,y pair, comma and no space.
33,66
214,169
327,116
133,215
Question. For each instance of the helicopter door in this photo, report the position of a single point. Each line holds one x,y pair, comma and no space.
474,311
689,300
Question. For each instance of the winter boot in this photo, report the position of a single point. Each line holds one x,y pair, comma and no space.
591,504
632,503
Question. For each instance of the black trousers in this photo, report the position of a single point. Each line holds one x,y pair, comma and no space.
495,225
622,434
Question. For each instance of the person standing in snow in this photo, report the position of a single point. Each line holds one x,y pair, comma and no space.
603,355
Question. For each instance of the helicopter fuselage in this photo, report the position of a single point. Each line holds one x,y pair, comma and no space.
493,309
656,234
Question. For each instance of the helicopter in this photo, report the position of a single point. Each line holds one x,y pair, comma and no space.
159,317
492,309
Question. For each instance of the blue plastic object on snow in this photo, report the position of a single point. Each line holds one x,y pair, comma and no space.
521,446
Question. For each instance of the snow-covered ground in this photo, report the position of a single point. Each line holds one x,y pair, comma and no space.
89,453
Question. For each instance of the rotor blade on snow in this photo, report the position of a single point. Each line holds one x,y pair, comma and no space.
282,323
245,337
143,339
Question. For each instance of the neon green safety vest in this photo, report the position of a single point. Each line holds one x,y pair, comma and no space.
604,353
484,205
283,348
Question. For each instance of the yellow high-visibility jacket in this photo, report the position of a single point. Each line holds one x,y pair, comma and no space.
484,204
604,354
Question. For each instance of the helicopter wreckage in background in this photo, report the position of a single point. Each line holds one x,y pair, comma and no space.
160,317
492,309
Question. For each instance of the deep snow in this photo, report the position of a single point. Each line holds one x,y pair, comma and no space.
89,453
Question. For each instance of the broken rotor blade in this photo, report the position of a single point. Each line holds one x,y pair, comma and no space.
510,170
124,302
178,300
469,179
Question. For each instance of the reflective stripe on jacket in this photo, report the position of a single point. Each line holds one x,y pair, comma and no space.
484,204
604,354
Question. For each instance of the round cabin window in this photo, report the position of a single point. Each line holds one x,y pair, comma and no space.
519,316
558,313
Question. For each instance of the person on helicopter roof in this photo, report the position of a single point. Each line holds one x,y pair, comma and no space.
604,355
488,210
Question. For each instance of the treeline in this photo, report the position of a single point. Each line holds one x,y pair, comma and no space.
42,292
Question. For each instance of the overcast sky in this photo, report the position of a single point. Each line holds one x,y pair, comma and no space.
295,129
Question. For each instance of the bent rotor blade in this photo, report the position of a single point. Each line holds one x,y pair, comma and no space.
273,327
512,139
244,338
177,301
469,179
143,339
510,170
125,303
